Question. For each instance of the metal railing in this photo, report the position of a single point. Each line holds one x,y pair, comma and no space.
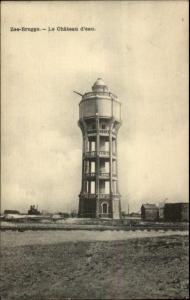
89,196
101,174
104,174
94,94
91,131
91,154
90,174
101,196
104,153
104,196
104,131
101,131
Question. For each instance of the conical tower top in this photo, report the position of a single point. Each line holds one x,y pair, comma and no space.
99,86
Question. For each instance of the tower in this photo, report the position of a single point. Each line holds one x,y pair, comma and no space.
99,120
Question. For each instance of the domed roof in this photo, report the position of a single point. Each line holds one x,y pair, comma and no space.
99,81
99,85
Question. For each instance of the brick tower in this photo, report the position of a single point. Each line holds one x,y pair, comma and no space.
99,120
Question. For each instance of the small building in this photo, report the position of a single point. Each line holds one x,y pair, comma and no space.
11,212
149,212
176,212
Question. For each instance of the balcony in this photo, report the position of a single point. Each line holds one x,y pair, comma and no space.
96,94
101,196
90,175
90,154
104,153
102,132
88,196
104,196
91,131
104,175
93,154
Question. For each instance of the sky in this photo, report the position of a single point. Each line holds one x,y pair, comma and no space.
140,49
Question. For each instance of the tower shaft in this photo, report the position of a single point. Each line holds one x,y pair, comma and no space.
99,120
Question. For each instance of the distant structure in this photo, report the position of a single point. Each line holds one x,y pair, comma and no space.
176,212
167,212
99,120
33,210
11,212
149,212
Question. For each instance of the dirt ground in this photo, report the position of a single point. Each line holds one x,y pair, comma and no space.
147,268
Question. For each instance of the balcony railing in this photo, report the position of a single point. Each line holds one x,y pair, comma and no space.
101,131
91,131
94,94
104,196
89,196
104,153
104,131
101,196
91,154
90,174
101,174
104,174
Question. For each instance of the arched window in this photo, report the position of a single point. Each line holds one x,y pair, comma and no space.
104,208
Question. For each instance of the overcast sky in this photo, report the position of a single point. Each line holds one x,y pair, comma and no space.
140,50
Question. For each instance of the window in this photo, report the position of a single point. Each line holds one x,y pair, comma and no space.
103,126
104,208
92,186
107,166
106,145
93,126
93,146
92,166
107,187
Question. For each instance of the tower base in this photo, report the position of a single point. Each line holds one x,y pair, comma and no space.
92,207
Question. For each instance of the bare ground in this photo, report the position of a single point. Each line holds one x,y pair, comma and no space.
148,268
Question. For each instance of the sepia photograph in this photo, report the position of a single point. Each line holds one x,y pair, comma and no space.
94,150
